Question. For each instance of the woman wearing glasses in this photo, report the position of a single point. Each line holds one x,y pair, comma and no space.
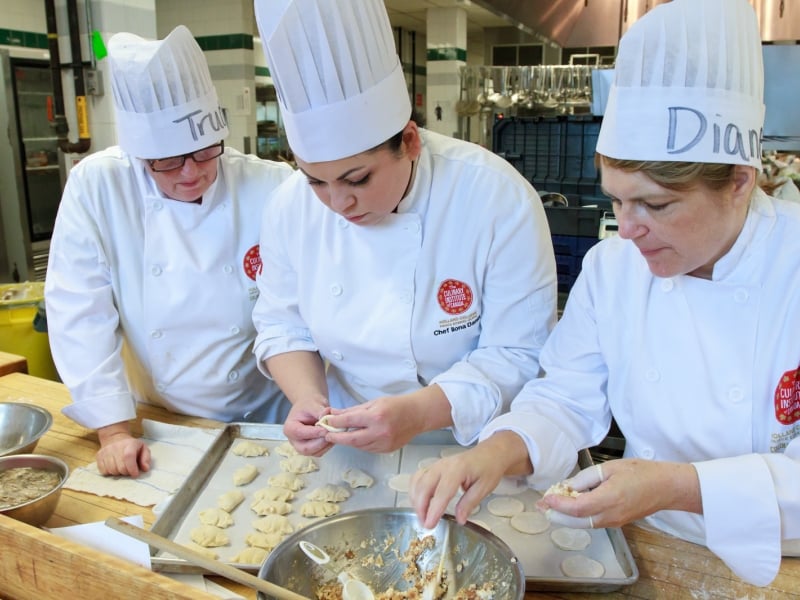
151,280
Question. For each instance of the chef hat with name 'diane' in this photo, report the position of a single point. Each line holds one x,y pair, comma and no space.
339,81
165,100
689,86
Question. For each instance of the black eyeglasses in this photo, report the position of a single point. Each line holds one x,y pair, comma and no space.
176,162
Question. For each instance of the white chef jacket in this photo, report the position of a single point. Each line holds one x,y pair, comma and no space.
168,285
693,370
457,287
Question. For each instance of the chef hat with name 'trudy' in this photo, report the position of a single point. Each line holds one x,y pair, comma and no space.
165,100
339,81
689,86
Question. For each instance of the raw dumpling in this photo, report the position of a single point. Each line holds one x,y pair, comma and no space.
357,478
267,541
330,493
216,516
209,536
250,556
244,475
274,493
250,448
286,449
323,422
230,500
273,524
271,507
204,551
319,509
290,481
299,464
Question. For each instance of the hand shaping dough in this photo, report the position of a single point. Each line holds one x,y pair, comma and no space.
567,538
271,507
582,566
250,556
329,493
323,422
289,481
230,500
249,448
530,522
286,449
278,494
244,475
299,464
267,541
357,478
319,509
216,516
273,524
209,536
505,506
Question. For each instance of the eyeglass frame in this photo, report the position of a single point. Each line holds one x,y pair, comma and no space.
152,161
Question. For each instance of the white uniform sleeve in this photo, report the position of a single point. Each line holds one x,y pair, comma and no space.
518,311
745,522
82,319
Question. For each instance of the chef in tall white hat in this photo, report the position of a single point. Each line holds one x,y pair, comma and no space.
682,328
151,278
392,256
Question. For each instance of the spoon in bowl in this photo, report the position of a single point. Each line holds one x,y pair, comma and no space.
352,588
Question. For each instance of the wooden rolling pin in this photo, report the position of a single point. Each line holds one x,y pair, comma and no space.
198,559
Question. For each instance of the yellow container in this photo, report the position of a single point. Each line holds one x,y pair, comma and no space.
19,304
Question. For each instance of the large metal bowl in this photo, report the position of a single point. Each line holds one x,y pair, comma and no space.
21,427
369,543
37,511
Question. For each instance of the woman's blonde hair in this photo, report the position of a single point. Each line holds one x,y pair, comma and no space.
678,176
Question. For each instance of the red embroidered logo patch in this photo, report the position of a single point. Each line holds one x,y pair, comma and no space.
787,398
252,262
454,296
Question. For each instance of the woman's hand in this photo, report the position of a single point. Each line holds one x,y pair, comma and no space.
120,453
301,430
621,491
476,471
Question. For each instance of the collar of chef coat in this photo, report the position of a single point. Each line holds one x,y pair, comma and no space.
418,196
748,237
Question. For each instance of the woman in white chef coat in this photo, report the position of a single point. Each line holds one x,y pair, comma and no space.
418,267
151,281
684,328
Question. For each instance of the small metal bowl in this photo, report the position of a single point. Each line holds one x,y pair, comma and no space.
369,543
21,427
37,511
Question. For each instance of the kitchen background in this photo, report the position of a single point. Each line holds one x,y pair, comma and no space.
525,78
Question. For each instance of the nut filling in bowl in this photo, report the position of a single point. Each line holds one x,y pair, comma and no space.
30,486
390,551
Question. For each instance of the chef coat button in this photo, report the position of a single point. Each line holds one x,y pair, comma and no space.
667,285
156,333
336,355
228,269
409,364
233,375
741,296
343,223
648,453
161,387
735,394
235,330
155,270
157,206
652,375
336,290
416,227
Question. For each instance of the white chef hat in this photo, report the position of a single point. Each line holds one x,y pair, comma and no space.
688,86
165,100
339,81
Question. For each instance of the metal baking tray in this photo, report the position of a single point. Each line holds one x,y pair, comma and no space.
213,476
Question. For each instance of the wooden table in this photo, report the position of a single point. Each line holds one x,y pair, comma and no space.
668,567
12,363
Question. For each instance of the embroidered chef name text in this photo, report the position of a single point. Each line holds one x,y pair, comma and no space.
457,324
781,440
205,124
724,138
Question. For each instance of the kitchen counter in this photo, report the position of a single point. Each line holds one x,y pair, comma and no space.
45,566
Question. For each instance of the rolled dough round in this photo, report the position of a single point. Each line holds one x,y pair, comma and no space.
505,506
567,538
530,522
582,566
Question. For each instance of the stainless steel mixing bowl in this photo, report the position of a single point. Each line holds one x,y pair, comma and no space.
37,511
21,426
369,543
